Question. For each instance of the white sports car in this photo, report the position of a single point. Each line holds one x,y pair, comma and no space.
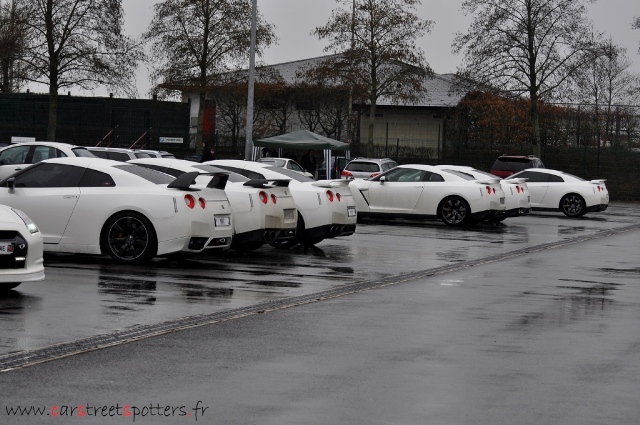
95,206
326,208
20,249
425,191
19,156
517,195
263,212
553,190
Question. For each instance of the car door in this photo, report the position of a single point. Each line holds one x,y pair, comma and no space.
47,193
396,192
538,185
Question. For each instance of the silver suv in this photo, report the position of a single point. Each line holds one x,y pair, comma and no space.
364,168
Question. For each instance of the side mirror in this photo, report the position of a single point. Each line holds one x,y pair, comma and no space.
11,183
383,179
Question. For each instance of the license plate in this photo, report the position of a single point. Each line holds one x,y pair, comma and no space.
351,211
6,248
289,214
222,221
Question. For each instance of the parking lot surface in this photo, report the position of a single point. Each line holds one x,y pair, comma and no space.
531,322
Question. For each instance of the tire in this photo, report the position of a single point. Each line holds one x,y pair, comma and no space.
129,238
573,205
454,211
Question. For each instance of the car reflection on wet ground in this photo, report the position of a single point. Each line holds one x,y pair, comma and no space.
84,296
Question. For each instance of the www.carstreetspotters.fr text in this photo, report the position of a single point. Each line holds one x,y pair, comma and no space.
195,411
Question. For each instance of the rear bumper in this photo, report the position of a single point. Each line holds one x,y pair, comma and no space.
263,235
597,208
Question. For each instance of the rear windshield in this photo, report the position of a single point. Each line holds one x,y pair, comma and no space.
233,177
294,175
154,176
362,167
516,165
83,152
461,174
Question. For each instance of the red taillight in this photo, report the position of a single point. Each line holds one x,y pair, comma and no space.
347,174
518,189
338,197
190,201
263,197
599,189
273,198
330,195
494,190
202,202
488,190
373,175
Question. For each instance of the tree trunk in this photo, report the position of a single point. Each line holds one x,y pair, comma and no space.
372,122
200,126
535,124
53,113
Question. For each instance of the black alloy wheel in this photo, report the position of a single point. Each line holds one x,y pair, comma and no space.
573,205
454,211
129,238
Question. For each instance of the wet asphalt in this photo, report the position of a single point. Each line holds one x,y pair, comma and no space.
532,322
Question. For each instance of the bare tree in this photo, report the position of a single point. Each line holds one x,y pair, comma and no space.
606,82
12,41
194,42
636,25
78,43
525,47
375,42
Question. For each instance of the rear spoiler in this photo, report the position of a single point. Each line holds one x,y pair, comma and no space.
489,181
598,181
184,181
331,183
516,181
264,183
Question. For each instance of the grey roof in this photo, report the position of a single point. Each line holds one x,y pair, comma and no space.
437,90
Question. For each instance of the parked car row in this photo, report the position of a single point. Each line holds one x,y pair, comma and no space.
58,197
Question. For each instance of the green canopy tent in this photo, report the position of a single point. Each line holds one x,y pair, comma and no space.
302,140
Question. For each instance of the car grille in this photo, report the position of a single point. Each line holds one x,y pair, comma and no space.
17,259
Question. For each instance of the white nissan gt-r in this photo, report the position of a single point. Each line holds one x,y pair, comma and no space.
263,211
425,191
20,249
517,195
326,208
553,190
95,206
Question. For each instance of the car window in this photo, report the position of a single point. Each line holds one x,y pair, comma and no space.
433,177
552,178
41,153
401,175
532,176
119,156
388,165
142,155
100,154
363,167
154,176
295,166
82,152
50,175
95,178
14,155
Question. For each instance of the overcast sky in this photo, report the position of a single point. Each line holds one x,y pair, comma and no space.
295,19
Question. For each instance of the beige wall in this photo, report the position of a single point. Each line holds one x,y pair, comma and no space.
414,128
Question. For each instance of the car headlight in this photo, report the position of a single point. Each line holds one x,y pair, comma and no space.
31,226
